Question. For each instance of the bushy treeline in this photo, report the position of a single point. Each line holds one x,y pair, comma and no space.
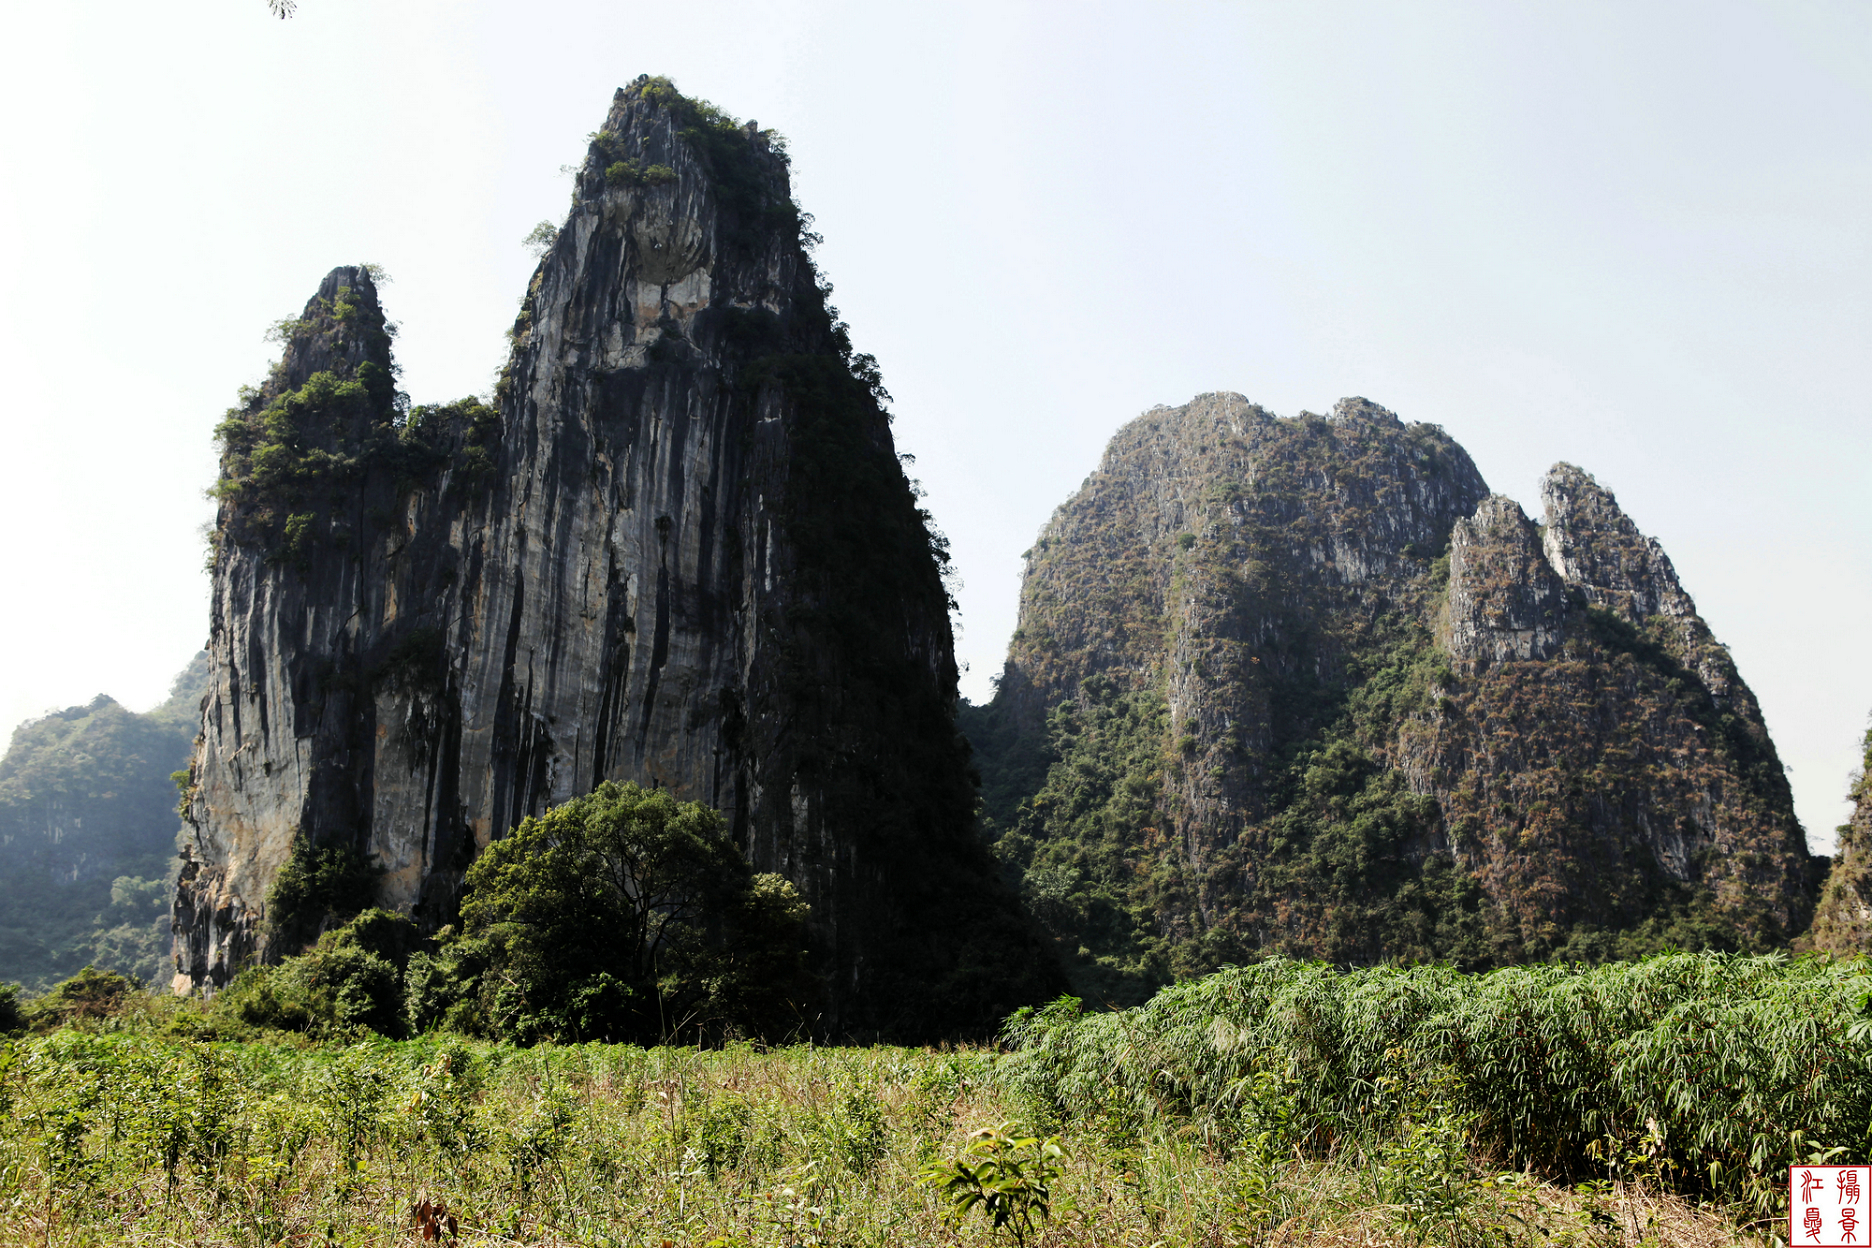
623,915
1715,1071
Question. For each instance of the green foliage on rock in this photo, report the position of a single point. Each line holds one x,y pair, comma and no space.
621,915
317,884
330,432
739,161
1337,869
635,173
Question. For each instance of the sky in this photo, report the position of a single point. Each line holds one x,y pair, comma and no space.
1632,236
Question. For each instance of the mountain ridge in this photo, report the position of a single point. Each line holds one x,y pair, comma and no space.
88,831
1369,711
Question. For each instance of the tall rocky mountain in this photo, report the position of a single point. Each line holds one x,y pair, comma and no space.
678,548
1306,685
88,835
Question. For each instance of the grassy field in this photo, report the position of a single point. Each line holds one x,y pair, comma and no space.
1276,1104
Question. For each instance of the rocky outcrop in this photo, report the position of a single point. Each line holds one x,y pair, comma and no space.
1304,684
1505,601
1611,565
677,549
1596,547
1305,512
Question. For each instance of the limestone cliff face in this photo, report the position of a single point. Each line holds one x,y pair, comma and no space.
1505,601
1306,685
1627,776
678,549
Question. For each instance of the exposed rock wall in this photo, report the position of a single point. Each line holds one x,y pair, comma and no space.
680,550
1505,601
1209,546
1391,716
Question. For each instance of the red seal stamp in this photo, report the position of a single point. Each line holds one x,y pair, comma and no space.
1827,1206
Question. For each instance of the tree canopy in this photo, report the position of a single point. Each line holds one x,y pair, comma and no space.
622,915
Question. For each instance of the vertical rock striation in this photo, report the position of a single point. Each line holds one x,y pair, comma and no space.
678,549
1306,685
1504,601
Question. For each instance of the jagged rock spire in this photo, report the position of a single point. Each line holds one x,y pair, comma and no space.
1505,600
678,550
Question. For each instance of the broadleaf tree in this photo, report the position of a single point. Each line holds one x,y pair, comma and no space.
622,915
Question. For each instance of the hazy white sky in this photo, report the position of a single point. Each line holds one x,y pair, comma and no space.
1629,235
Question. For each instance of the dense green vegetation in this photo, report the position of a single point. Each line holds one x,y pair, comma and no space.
1077,844
1329,872
1649,1103
1720,1069
622,915
88,836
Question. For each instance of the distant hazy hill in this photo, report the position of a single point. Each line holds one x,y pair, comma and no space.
87,835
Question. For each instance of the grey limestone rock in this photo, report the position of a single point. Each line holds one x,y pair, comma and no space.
1505,601
678,550
1596,547
1548,754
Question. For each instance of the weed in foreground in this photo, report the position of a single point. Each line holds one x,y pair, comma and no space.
138,1138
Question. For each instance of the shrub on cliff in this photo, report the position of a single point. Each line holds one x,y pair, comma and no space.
623,915
316,885
353,977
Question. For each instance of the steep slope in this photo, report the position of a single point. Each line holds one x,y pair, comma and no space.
679,550
1843,918
1305,685
88,835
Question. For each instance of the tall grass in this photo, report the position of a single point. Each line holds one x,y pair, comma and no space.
134,1138
1272,1104
1711,1071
